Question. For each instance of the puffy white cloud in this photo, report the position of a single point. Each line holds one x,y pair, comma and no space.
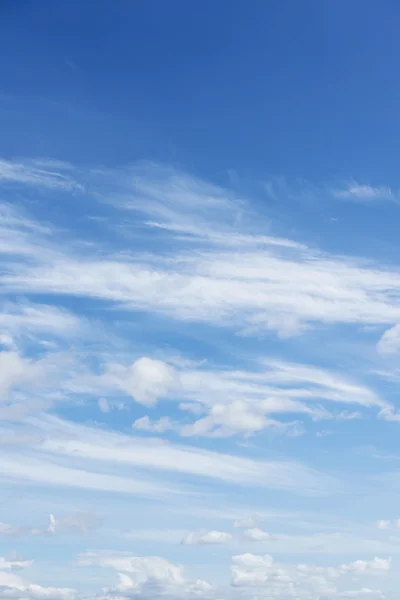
226,419
13,587
149,577
210,537
15,370
149,567
251,569
275,388
146,380
302,580
383,524
376,565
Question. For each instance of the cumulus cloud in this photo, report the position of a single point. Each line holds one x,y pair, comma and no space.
301,580
13,587
149,577
152,567
237,417
376,565
15,370
146,380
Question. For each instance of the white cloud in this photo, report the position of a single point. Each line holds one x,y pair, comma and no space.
13,587
42,174
362,593
151,567
74,523
20,319
276,387
106,406
210,537
29,385
301,580
145,424
226,419
280,385
256,535
376,565
389,343
103,405
389,414
248,522
236,277
383,524
15,370
80,442
149,577
233,276
364,192
8,530
14,562
38,471
146,380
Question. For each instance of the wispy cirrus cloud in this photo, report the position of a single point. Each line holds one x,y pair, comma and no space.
207,538
41,173
79,442
73,523
246,281
364,192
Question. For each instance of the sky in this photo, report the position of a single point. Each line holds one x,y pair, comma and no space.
200,300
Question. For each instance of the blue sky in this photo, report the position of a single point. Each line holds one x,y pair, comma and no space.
200,311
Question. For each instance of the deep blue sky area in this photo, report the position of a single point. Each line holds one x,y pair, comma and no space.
309,89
